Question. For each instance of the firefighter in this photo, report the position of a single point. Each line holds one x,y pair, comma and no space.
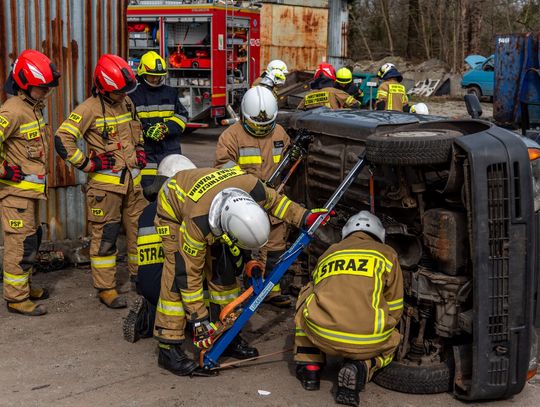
256,144
24,150
274,75
391,94
197,209
344,81
159,109
350,309
108,123
324,93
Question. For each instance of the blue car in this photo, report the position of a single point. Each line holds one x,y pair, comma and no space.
479,80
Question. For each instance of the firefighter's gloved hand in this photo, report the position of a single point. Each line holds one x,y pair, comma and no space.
142,161
157,132
11,172
104,161
314,214
202,334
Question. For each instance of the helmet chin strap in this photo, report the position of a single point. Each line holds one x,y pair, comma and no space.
154,85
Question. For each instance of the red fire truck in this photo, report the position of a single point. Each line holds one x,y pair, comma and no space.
212,50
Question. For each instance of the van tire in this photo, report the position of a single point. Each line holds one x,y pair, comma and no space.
411,147
475,90
414,379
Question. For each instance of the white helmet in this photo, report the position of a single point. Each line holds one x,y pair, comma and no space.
277,64
366,222
420,108
259,111
174,163
234,212
384,69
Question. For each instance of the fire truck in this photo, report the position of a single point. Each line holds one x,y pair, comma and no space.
212,50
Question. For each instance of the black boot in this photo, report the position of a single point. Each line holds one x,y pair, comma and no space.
239,349
351,381
309,375
172,358
139,322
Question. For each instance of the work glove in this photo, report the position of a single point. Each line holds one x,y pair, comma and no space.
141,159
103,161
314,214
202,333
11,173
157,132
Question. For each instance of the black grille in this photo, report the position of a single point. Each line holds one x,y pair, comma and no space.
499,223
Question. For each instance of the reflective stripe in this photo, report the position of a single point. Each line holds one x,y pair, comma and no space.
123,118
177,119
165,203
350,101
346,337
381,93
71,129
103,262
148,239
148,172
173,308
299,332
395,305
276,288
77,157
34,125
147,230
180,193
192,297
151,108
282,207
133,258
378,321
155,113
189,240
249,155
223,297
229,164
276,154
136,176
29,183
2,136
106,176
15,279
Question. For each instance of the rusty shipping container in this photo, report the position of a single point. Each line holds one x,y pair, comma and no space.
296,34
73,33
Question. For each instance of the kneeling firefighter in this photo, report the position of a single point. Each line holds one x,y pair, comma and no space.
197,209
358,323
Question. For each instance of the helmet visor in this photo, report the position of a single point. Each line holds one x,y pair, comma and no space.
258,129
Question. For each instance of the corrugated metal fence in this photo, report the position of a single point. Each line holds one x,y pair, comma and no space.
73,33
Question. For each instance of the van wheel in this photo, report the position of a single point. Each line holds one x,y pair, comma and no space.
414,379
474,90
411,147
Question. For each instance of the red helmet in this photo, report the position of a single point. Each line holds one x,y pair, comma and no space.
32,68
325,69
113,74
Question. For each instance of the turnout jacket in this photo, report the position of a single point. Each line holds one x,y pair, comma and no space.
24,141
122,138
155,105
391,95
355,299
329,97
259,156
185,201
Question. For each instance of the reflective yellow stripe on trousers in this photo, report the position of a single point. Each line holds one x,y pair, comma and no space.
15,279
172,308
223,297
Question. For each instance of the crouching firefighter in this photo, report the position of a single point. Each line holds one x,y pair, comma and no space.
113,135
358,323
24,152
198,209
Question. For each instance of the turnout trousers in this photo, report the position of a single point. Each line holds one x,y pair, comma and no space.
107,211
170,313
22,237
270,253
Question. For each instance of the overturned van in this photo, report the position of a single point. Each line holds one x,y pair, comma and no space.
460,200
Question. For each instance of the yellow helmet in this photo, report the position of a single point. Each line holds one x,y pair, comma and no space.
152,64
343,76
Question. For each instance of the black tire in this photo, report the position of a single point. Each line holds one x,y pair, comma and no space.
195,65
475,90
413,379
411,147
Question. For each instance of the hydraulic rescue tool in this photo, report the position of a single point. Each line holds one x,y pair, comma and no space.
260,289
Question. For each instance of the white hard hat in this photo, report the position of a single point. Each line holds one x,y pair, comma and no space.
384,69
234,212
277,64
174,163
277,76
364,221
259,111
420,108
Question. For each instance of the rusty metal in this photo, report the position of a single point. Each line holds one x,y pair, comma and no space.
294,34
338,16
73,33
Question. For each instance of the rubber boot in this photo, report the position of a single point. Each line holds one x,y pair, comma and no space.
38,293
309,375
26,308
278,300
173,358
139,322
351,381
111,299
239,349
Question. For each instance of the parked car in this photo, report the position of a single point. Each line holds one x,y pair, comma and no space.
480,79
460,200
